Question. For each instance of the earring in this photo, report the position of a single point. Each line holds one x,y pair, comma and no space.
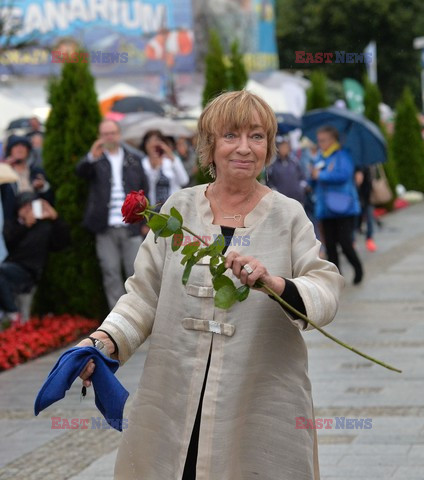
211,170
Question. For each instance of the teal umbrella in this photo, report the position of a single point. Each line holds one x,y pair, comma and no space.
361,137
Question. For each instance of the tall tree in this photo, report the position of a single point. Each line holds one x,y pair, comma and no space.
372,100
72,280
317,95
337,25
238,76
407,144
216,74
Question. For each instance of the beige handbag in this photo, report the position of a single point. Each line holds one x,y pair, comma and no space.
380,191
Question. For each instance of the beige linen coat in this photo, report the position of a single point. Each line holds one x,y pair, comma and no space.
257,382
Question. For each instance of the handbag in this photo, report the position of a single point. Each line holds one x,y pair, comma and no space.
338,202
380,189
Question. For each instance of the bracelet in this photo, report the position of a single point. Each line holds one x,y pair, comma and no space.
111,339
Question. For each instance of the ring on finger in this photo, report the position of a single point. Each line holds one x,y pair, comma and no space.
248,268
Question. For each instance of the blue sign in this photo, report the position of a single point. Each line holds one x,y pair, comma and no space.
153,36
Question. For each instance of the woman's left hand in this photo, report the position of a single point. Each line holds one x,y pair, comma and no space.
242,265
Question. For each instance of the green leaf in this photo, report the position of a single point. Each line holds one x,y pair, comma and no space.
177,240
172,226
225,297
190,248
222,280
187,270
242,292
217,246
156,222
212,265
221,268
176,214
214,260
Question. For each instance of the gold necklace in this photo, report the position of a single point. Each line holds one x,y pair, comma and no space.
237,217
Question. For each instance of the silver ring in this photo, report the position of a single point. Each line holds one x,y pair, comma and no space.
248,268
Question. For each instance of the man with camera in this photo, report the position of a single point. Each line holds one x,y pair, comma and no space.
112,171
35,230
30,178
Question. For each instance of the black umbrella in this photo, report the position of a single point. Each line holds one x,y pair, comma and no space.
138,104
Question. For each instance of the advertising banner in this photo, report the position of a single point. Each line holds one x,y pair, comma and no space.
119,36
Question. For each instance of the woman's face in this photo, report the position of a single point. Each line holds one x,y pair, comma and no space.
153,147
241,154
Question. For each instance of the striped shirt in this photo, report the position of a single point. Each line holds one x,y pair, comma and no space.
117,193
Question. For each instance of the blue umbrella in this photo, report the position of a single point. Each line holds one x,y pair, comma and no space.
287,122
361,137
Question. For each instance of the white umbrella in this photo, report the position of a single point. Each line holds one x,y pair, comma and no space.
119,89
12,110
167,126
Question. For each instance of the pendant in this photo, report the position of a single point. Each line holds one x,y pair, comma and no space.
236,217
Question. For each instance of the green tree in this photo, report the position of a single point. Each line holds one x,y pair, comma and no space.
407,144
336,25
316,95
216,74
72,280
238,76
372,100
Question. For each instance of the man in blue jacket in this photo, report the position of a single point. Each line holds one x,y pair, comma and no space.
337,203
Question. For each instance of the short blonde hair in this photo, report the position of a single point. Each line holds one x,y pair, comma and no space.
233,110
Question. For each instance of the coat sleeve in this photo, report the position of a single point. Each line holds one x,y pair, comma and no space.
85,168
318,281
131,320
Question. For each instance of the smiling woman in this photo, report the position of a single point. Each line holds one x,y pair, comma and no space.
221,389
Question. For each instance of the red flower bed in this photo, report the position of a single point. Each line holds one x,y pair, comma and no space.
39,336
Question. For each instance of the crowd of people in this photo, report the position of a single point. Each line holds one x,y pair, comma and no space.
322,177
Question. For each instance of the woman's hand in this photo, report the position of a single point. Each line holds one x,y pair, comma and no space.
240,264
88,370
90,365
166,151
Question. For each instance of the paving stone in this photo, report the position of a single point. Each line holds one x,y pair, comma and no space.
384,317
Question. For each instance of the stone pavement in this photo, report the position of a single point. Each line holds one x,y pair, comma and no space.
384,317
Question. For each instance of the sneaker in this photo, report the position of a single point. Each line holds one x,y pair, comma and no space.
370,244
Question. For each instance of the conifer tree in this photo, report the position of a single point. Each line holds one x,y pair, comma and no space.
72,280
407,144
216,73
372,100
317,95
238,76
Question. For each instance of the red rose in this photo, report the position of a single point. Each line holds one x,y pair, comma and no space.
134,206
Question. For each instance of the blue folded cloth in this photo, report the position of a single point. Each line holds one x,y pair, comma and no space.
110,395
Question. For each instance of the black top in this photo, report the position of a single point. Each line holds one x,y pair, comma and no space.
29,246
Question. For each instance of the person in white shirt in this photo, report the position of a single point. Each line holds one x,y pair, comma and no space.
112,171
164,169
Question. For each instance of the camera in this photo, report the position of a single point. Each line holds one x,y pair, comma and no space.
37,209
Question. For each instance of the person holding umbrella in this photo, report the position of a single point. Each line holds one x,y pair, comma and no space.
337,203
